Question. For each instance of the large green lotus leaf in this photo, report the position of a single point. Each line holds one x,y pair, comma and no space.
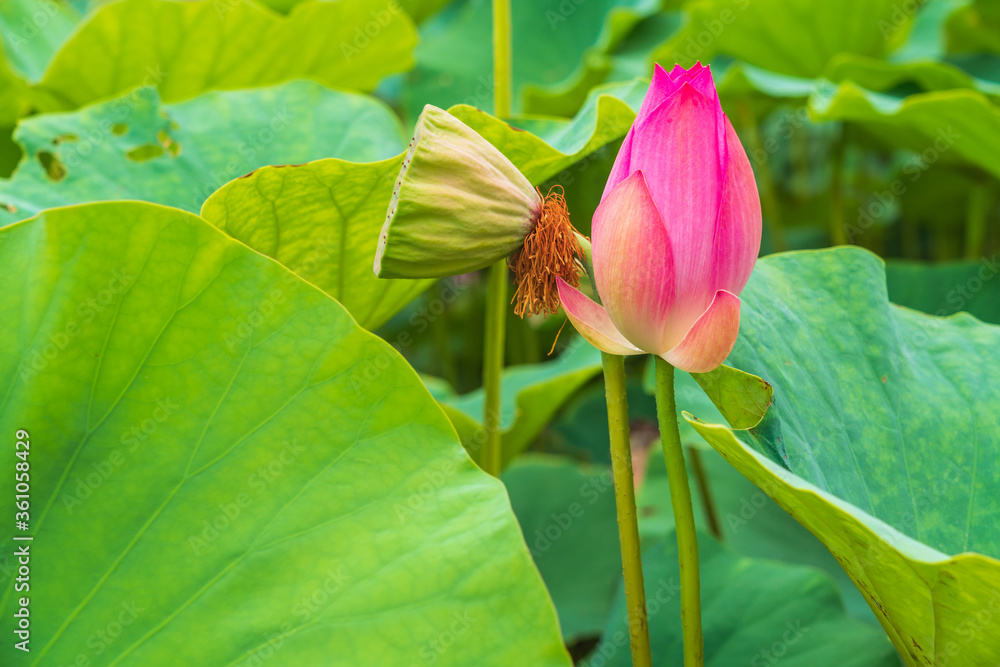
134,147
689,397
974,27
665,38
940,200
31,32
554,42
632,58
738,81
579,430
187,48
945,289
542,147
530,395
417,9
949,125
882,440
229,483
421,10
567,514
749,521
321,221
924,75
754,612
14,99
797,37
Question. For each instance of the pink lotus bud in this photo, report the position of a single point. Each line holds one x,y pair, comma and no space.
677,232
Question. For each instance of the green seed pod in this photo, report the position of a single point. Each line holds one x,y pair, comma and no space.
459,205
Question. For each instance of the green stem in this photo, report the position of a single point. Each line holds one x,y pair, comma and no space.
496,295
680,497
838,230
975,228
628,526
493,348
501,59
705,492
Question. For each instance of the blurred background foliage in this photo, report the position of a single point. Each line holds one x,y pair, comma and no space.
867,122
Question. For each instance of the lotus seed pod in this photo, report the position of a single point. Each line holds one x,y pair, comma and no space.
458,205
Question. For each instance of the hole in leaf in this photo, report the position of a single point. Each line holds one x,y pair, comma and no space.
63,138
172,147
143,153
55,169
119,129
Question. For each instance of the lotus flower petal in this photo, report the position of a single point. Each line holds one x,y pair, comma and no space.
737,231
700,76
712,337
633,266
662,86
622,166
677,150
592,321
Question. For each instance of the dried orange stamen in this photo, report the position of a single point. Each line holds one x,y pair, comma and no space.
550,249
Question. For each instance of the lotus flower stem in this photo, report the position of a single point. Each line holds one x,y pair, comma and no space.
976,214
493,349
705,492
838,230
680,497
501,59
496,294
628,527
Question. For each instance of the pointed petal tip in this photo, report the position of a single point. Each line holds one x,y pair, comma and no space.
592,321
